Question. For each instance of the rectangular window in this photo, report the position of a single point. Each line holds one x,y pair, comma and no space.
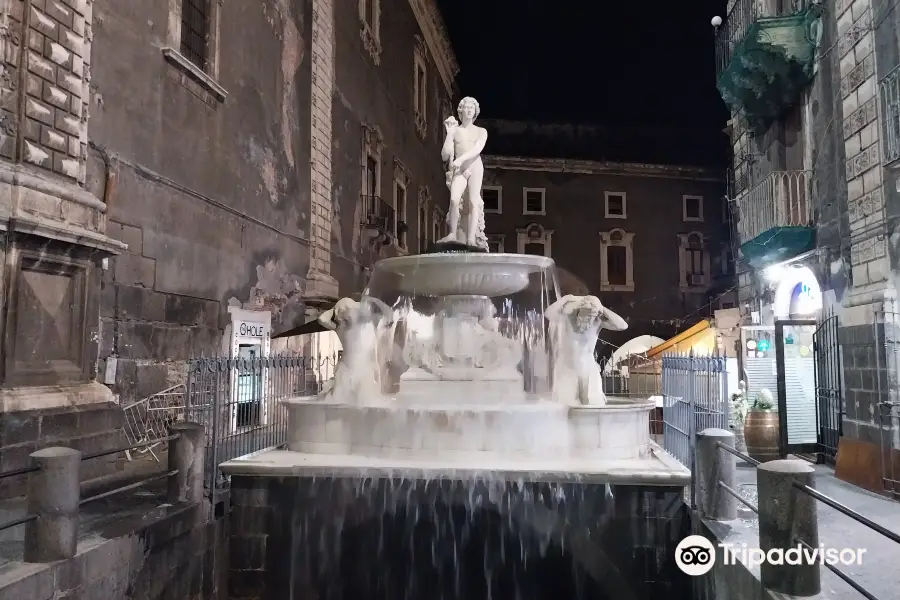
694,261
692,208
533,201
369,13
423,228
616,207
727,261
421,89
493,199
371,176
536,248
436,227
890,103
495,243
617,265
400,214
195,31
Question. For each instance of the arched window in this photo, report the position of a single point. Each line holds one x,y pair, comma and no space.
693,261
534,239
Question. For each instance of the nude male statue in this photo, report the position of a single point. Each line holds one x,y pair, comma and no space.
576,321
462,151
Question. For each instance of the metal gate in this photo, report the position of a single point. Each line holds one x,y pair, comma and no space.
829,404
795,378
808,366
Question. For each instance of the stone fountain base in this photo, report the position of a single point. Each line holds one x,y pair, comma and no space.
521,432
537,441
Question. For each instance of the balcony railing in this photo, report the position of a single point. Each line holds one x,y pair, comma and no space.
781,200
741,16
380,214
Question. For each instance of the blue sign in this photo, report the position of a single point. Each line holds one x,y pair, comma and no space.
763,345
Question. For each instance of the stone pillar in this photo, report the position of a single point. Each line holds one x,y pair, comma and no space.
54,493
320,282
713,465
186,455
787,515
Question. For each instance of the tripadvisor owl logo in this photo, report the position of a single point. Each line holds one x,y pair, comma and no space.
695,555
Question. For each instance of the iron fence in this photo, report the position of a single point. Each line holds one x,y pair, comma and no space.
239,402
695,397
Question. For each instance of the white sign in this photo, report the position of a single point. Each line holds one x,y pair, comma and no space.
251,329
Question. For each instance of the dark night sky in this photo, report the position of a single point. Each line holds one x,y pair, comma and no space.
609,62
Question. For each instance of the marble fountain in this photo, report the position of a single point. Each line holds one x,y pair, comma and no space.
463,364
467,380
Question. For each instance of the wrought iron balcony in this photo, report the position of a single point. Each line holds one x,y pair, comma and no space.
776,218
380,215
765,54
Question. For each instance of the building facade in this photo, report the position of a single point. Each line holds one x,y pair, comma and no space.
651,241
814,193
183,177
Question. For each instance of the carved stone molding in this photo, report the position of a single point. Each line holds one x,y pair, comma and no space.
373,139
370,33
437,40
424,195
401,173
534,233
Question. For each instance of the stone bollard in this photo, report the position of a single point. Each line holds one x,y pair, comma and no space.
54,493
186,455
786,515
712,465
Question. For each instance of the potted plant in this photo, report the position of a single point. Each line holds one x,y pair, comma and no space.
739,408
761,428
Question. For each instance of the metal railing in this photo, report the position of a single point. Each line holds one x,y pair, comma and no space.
733,31
380,214
148,420
55,489
239,402
782,199
890,103
695,397
741,15
805,580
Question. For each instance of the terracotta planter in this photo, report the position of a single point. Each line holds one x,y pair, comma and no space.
761,432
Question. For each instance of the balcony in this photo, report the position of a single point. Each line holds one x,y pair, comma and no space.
765,56
775,218
379,216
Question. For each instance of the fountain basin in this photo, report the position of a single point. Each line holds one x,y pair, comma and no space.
449,431
478,274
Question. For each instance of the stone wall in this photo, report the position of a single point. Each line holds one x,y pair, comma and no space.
574,227
161,555
373,99
808,137
239,183
93,428
310,535
210,182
